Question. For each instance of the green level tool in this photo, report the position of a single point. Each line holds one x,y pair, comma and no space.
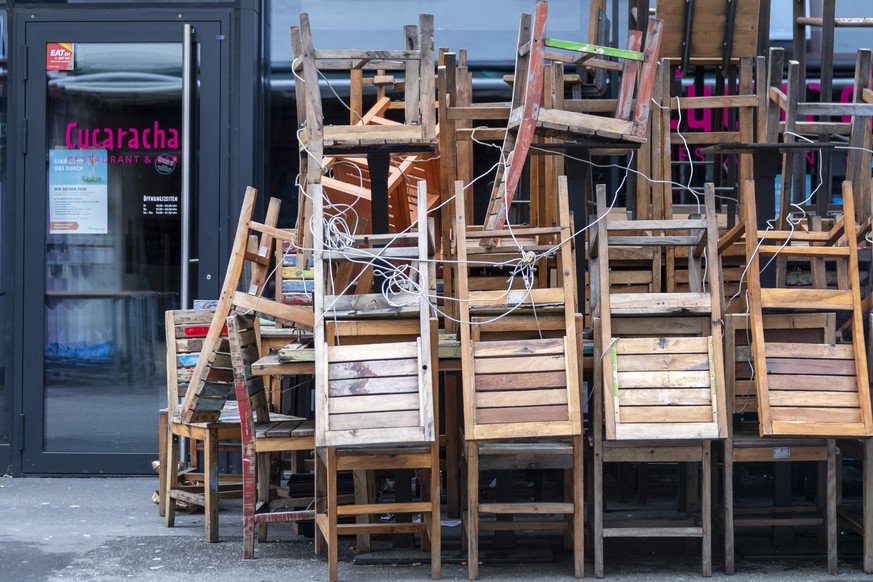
584,47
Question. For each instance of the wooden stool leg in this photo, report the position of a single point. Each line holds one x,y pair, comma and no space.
163,434
728,500
435,518
867,505
172,477
832,507
578,508
210,485
472,510
706,507
332,538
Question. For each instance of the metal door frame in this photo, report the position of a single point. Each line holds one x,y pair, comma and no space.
28,127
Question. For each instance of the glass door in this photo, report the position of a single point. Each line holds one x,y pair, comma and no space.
122,145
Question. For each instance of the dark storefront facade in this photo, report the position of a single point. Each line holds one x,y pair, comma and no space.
127,143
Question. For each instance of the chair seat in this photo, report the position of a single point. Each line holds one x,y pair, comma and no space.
284,426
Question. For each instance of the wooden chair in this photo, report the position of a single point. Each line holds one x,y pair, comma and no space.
185,330
744,445
415,133
375,372
820,390
659,378
628,125
263,434
520,372
251,253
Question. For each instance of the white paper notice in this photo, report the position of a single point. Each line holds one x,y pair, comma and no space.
78,192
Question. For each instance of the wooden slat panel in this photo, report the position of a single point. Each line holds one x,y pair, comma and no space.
796,366
802,350
520,364
824,299
663,362
664,396
382,420
815,415
819,398
664,379
498,298
373,404
348,370
388,351
521,398
516,348
811,382
673,345
378,385
526,414
490,382
665,414
658,303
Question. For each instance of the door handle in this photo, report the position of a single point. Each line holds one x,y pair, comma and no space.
187,85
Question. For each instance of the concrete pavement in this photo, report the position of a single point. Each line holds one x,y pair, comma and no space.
108,529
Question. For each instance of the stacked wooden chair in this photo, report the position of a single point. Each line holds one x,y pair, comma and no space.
520,371
415,132
197,484
659,378
375,371
263,434
251,255
629,122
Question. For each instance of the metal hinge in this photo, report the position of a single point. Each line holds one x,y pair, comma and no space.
20,432
24,136
24,59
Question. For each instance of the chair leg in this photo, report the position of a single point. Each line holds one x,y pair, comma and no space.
598,508
320,502
832,507
363,485
472,510
332,538
163,433
435,518
728,501
172,477
867,505
263,490
210,485
250,477
578,508
706,507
